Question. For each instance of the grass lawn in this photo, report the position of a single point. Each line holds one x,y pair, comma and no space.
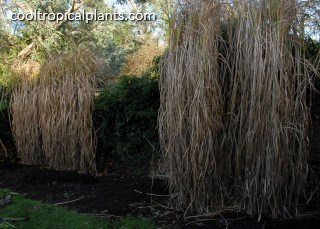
45,216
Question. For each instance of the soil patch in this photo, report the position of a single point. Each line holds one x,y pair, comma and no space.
114,196
110,195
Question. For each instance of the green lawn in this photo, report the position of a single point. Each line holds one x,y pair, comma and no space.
45,216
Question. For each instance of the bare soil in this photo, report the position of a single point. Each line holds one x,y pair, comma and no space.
113,196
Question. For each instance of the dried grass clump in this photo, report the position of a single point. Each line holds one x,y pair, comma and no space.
25,69
24,124
234,117
52,115
140,61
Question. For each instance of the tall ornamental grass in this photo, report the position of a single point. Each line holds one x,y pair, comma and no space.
52,114
234,116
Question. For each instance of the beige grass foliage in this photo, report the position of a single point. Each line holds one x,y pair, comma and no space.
52,114
234,117
140,61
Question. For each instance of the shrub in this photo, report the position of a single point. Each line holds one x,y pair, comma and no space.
126,119
6,139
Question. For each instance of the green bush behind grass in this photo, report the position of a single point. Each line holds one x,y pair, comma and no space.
126,120
5,129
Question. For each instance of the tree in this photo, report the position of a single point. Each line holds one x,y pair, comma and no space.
111,40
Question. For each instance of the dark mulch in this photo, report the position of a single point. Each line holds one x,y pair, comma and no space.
114,196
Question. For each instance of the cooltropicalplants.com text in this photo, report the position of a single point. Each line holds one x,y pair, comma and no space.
82,16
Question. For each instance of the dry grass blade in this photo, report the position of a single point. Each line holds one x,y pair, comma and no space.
234,117
52,114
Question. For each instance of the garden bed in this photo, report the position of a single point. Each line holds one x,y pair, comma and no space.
112,195
115,196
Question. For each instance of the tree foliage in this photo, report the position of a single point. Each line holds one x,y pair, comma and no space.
110,40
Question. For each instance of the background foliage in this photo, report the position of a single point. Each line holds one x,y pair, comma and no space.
126,121
5,130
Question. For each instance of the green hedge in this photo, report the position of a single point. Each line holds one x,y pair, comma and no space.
5,130
126,122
